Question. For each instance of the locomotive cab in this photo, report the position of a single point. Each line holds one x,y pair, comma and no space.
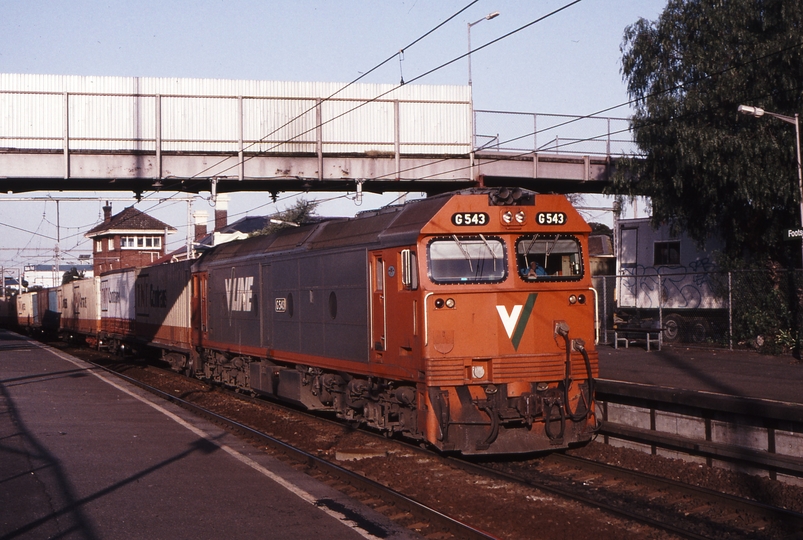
508,325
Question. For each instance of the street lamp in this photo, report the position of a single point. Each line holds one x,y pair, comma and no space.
471,93
758,113
486,18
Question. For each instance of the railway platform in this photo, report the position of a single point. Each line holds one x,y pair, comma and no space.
737,373
731,409
85,455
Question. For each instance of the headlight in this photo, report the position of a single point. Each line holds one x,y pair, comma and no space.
450,303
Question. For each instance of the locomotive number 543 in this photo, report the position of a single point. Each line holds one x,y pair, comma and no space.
470,218
550,218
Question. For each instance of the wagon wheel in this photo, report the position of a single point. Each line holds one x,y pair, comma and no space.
672,325
700,330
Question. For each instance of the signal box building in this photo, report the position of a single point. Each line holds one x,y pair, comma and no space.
128,239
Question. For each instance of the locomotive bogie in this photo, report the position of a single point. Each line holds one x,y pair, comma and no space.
533,421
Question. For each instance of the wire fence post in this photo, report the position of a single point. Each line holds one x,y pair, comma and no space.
730,311
604,321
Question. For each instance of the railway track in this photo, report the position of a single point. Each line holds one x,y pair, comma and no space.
644,503
678,508
401,509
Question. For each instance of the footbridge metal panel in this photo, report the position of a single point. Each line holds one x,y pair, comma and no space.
143,134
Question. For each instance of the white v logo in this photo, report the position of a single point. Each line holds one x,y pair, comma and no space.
509,321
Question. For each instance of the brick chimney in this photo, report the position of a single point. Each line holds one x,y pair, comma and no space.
201,217
221,212
107,212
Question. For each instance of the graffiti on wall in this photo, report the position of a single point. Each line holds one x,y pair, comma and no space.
692,286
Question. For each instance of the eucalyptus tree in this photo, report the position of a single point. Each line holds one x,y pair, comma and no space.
706,168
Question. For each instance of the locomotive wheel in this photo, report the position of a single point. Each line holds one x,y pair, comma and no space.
672,326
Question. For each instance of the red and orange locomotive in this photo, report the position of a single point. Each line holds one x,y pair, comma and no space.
465,319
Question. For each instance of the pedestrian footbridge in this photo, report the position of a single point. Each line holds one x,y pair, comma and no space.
76,133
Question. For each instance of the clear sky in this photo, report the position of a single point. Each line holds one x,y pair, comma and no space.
568,63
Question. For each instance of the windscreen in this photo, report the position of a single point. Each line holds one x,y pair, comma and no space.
467,259
549,257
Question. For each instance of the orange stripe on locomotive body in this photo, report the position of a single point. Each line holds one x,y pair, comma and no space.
508,334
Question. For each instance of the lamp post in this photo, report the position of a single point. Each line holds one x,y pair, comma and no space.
486,18
471,92
759,112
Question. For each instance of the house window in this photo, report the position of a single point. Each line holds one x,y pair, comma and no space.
141,242
98,246
667,253
111,244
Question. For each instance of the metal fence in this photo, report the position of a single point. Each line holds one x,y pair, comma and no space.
552,133
757,309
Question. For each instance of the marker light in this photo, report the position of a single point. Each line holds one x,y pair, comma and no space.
439,303
572,299
450,303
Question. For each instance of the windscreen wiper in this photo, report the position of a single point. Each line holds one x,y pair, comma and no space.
465,253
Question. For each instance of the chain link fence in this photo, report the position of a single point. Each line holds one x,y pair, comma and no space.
758,309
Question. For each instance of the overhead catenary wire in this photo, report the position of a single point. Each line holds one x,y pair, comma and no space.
398,54
551,127
429,72
363,75
614,107
393,89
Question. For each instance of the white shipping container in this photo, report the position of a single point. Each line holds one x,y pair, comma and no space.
117,298
163,295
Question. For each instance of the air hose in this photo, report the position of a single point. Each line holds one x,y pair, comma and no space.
588,397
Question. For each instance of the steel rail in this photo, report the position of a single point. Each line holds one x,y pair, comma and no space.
737,503
346,476
588,501
547,487
439,520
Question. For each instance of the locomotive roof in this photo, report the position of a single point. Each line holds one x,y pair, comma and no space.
389,226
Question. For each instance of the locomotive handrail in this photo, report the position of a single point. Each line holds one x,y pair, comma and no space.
596,315
426,319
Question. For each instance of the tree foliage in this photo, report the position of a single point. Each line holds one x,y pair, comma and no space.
303,211
706,168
